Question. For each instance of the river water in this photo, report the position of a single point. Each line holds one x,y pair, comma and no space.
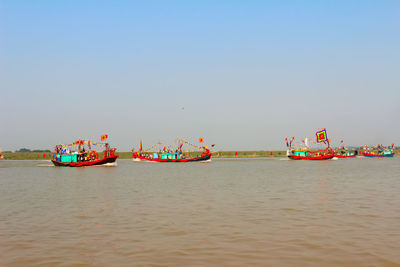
230,212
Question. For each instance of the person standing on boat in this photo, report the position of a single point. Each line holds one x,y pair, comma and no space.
84,154
106,150
206,151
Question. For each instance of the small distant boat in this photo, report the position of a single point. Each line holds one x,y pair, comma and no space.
169,155
379,152
307,154
64,156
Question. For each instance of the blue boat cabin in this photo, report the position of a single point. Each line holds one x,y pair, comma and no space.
299,153
174,155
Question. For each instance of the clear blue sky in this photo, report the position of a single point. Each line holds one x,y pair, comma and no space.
248,73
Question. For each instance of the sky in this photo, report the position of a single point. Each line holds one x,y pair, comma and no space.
241,74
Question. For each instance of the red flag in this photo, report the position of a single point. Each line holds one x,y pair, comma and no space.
140,147
201,140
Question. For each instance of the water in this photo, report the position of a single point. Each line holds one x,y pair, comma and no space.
227,212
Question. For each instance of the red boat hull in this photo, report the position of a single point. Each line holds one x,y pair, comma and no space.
97,162
324,157
201,158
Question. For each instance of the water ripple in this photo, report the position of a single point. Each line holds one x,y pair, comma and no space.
228,212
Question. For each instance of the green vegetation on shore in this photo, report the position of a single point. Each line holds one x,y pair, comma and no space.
225,154
249,154
26,155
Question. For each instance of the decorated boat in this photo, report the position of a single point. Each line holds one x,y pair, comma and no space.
162,153
379,152
305,153
298,154
83,153
343,152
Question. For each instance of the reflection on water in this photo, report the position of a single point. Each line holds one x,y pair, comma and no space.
227,212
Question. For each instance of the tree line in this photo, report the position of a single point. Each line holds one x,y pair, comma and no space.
35,150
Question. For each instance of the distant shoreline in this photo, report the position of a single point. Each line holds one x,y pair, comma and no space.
128,155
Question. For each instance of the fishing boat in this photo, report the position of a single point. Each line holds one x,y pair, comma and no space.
379,152
75,154
305,153
168,154
343,152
